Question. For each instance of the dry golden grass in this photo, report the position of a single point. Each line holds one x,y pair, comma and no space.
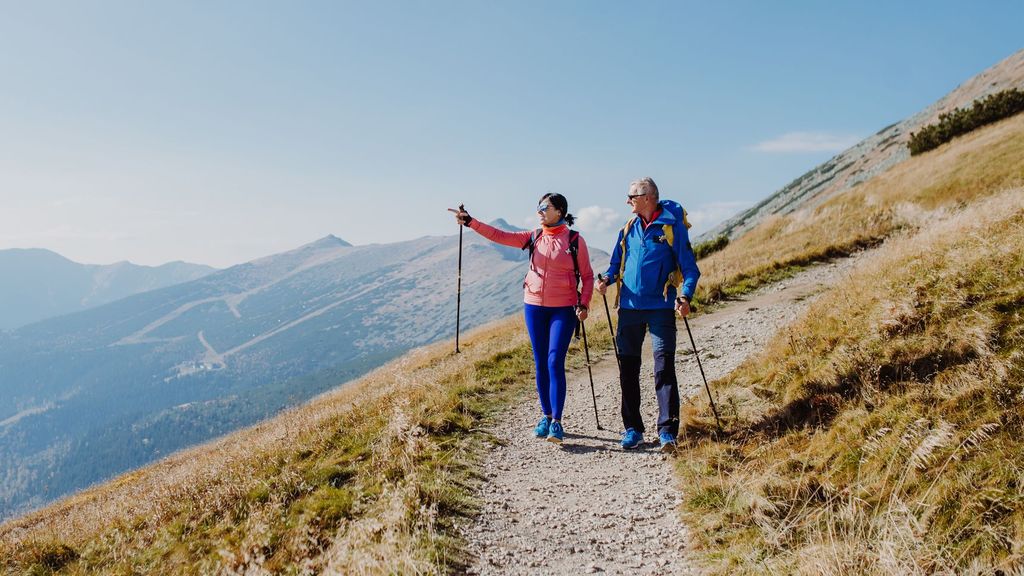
365,480
973,166
881,433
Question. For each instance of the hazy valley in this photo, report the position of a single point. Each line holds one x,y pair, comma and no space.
98,392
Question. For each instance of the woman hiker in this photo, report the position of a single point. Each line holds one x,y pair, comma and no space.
552,302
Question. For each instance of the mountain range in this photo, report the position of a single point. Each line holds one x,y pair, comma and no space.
40,284
94,393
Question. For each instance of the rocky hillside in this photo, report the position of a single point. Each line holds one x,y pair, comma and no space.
871,156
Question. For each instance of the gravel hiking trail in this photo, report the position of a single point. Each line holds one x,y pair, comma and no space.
588,506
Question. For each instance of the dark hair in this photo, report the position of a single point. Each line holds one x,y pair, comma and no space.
560,204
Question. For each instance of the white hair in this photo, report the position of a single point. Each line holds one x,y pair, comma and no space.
644,186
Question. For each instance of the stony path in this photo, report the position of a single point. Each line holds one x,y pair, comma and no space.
589,506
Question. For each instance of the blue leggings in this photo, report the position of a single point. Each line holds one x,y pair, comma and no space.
550,331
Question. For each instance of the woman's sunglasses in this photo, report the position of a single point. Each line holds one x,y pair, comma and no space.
543,207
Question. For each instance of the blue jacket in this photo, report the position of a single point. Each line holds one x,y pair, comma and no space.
650,259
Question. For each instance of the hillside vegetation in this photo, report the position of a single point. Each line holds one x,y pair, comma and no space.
881,433
960,121
903,198
878,152
369,479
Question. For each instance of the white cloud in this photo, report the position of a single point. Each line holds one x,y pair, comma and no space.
598,219
807,142
589,219
705,216
598,225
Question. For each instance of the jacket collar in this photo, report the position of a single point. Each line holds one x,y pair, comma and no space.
552,230
664,215
654,217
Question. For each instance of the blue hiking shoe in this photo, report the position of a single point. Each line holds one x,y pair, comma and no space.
543,427
631,439
555,433
668,442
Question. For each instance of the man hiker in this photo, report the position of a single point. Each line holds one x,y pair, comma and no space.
656,271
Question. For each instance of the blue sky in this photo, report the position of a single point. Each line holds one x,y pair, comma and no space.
218,132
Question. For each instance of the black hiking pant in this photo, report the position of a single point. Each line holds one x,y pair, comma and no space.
633,327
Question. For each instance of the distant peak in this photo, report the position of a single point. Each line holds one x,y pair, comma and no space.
330,241
32,252
501,223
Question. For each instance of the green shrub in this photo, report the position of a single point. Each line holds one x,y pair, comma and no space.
963,120
709,247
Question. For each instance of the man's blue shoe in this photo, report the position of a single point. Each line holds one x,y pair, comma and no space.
668,442
555,433
543,427
631,439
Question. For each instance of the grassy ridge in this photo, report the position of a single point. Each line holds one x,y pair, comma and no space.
881,433
903,198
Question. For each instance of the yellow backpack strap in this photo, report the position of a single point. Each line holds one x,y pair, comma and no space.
675,278
622,259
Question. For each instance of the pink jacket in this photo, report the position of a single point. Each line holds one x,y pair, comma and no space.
551,280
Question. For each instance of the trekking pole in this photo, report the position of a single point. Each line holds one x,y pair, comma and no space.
706,387
608,313
458,290
586,349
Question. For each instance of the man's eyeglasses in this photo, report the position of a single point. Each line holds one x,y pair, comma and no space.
635,196
543,207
